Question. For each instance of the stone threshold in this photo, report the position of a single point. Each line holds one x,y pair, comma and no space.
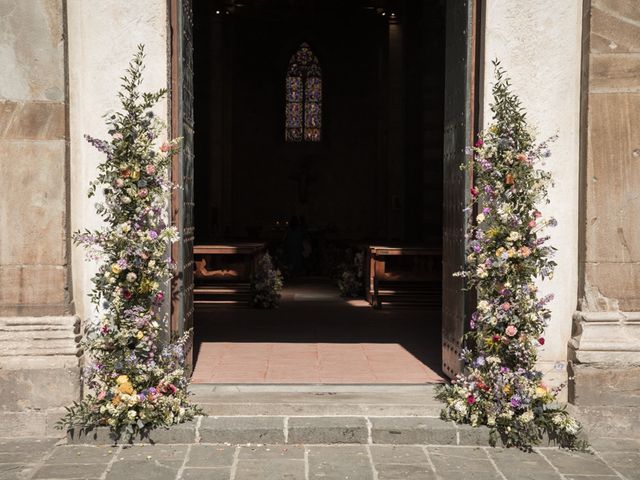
308,430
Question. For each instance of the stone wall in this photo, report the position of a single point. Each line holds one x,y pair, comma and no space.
606,337
39,365
33,161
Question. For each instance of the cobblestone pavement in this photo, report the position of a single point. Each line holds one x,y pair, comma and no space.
613,458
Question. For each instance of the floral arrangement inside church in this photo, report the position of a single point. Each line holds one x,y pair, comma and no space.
508,252
136,381
266,284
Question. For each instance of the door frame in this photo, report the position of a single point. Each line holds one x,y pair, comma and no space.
179,291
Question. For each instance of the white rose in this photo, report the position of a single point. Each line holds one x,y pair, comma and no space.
480,218
126,200
131,277
131,414
483,305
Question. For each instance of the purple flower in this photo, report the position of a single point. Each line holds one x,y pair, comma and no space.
153,234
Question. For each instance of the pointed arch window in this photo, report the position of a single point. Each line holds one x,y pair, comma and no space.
303,109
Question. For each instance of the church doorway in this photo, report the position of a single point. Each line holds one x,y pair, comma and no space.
321,133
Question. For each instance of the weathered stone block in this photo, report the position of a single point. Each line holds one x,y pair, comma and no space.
606,385
468,435
241,430
413,430
614,72
34,34
32,120
39,389
32,285
613,33
24,424
33,203
183,433
315,430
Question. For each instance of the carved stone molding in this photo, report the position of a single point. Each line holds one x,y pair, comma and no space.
605,337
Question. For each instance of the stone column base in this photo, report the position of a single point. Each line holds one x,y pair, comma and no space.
39,373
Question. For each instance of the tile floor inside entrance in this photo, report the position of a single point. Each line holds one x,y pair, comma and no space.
317,337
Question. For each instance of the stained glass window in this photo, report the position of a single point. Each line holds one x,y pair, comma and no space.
303,97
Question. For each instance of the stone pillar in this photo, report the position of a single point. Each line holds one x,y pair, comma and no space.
605,348
539,45
39,371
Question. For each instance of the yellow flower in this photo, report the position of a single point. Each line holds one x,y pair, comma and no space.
511,252
115,268
499,252
139,335
116,400
122,379
507,389
135,175
541,392
125,388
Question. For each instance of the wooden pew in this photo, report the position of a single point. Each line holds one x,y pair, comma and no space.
417,285
222,272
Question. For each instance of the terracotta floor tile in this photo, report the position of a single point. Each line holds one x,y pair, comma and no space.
314,337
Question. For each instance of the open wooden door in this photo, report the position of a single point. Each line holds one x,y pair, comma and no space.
182,168
458,134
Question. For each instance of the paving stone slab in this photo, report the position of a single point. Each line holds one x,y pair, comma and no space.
518,465
25,450
274,469
18,471
211,455
405,472
407,455
339,462
626,463
70,471
462,463
413,430
578,463
242,430
169,455
219,473
327,430
142,470
81,454
271,452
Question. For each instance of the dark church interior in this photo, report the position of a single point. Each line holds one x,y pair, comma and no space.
319,121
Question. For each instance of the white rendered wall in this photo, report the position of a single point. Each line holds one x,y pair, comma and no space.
103,37
539,44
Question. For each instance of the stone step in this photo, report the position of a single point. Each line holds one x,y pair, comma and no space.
309,430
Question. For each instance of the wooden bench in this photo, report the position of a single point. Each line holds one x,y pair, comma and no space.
414,286
222,272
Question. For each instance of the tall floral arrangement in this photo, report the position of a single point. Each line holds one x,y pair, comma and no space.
135,382
507,253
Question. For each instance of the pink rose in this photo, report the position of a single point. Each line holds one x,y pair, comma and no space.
511,331
143,192
471,399
159,297
541,340
532,223
101,395
506,306
151,169
165,147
